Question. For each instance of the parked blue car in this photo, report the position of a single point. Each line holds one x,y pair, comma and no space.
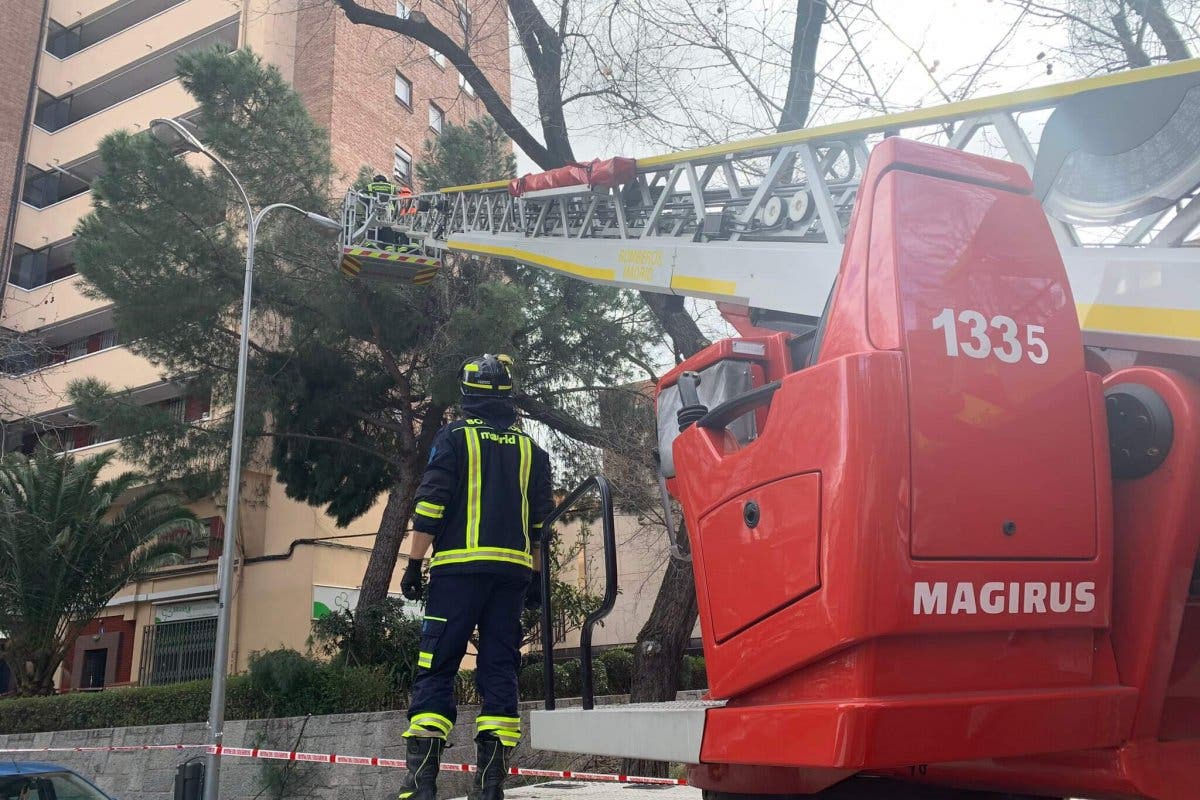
32,780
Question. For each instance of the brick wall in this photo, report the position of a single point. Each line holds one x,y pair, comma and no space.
124,655
20,37
346,74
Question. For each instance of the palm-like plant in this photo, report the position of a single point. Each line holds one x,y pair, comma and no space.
66,550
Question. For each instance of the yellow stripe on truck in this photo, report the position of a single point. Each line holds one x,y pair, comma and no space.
688,283
592,273
1175,323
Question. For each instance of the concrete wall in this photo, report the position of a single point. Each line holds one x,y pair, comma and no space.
149,775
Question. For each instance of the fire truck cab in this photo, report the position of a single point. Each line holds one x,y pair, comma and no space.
930,542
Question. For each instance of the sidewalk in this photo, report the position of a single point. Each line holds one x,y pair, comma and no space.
575,790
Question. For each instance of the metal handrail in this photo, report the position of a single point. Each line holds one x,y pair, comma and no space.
608,531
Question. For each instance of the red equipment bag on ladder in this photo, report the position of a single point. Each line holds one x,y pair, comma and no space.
594,174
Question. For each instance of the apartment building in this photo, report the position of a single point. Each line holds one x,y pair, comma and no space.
79,69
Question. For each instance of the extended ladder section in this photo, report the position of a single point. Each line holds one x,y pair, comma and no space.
760,223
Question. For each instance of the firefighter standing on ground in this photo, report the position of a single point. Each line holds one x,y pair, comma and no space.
480,505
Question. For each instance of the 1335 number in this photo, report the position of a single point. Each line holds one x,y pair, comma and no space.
978,342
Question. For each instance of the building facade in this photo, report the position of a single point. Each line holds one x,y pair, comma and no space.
77,70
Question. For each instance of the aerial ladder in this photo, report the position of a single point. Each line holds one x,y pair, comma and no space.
941,490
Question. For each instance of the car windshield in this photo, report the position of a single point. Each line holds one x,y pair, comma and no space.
48,786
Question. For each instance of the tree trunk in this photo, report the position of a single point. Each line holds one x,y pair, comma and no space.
1135,54
1164,28
660,647
378,577
810,17
33,671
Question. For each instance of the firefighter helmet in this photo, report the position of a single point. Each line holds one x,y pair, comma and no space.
488,375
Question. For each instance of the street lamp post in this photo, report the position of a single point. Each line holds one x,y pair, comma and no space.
173,132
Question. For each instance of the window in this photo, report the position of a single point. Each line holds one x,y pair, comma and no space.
438,58
401,10
186,410
465,85
464,17
403,89
174,652
402,166
64,439
69,787
40,355
437,117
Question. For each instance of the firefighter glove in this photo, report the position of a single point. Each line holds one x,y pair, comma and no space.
412,585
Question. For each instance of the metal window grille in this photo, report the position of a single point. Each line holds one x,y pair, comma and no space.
177,408
174,652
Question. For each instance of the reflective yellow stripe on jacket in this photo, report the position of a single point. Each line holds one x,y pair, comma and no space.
474,487
526,466
482,554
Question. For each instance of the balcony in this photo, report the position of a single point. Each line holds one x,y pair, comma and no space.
131,79
39,227
115,467
155,25
71,12
79,139
41,392
49,304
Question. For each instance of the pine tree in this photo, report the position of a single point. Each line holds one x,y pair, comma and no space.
349,382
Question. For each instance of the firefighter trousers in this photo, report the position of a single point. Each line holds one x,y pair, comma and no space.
457,604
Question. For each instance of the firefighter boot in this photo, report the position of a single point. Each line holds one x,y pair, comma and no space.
424,761
493,768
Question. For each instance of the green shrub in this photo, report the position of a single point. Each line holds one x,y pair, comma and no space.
529,682
288,681
393,639
568,680
692,673
698,672
618,665
281,683
114,708
352,690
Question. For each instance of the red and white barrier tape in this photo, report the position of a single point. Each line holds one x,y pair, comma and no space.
128,748
362,761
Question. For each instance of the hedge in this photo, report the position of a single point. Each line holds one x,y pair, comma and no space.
150,705
618,663
325,689
568,681
286,683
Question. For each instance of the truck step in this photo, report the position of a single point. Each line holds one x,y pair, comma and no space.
658,731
